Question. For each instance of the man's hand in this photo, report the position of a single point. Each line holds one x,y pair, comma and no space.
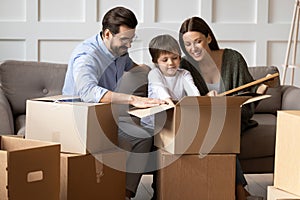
143,102
136,101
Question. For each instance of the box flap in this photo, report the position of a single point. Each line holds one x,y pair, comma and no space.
57,98
65,99
214,100
274,193
257,98
16,144
34,173
191,101
296,113
3,173
144,112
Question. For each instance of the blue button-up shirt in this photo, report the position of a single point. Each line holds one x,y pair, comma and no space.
93,70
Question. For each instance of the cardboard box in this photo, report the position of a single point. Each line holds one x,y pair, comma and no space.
287,162
198,125
29,169
274,193
191,177
98,176
79,127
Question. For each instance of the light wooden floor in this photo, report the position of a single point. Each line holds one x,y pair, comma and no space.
257,185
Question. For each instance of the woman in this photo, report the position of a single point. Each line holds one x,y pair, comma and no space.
214,71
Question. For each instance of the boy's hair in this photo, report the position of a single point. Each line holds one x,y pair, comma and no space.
117,17
163,44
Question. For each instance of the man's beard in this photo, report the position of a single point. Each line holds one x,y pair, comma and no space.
119,50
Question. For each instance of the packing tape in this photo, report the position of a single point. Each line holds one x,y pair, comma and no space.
99,168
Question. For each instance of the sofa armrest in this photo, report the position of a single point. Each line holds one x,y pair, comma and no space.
290,98
6,122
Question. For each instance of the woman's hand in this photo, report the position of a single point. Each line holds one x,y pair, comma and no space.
212,93
262,89
271,83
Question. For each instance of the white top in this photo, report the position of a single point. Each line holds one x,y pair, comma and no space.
169,87
173,87
214,86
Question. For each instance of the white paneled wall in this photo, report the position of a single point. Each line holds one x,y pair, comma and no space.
48,30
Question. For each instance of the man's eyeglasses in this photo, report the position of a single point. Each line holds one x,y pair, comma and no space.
125,40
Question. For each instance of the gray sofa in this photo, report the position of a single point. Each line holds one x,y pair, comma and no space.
21,80
258,143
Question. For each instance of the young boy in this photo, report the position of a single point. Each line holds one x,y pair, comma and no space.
167,81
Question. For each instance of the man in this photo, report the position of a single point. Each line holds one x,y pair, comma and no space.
94,72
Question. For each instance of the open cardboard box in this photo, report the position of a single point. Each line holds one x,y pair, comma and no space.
29,169
198,124
79,127
93,176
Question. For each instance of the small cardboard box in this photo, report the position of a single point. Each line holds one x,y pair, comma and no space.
191,177
287,162
274,193
97,176
29,169
198,125
79,127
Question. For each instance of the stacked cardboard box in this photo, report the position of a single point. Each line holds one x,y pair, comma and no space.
97,176
287,162
79,127
29,169
91,167
191,177
198,138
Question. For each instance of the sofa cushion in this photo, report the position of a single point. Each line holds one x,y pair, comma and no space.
258,165
22,80
20,125
258,72
272,104
259,141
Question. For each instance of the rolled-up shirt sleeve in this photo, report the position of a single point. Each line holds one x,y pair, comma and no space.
93,70
86,76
